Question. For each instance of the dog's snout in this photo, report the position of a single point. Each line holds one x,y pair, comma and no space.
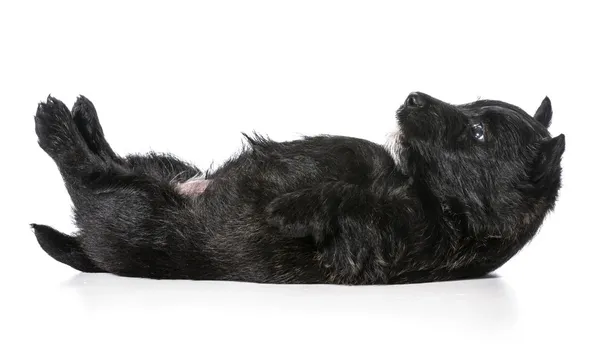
415,100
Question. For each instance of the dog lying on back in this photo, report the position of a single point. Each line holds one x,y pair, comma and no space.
458,191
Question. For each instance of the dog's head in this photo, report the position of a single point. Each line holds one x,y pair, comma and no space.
487,161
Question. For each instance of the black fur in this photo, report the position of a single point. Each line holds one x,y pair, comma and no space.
459,191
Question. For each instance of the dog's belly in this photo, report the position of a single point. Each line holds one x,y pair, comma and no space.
193,187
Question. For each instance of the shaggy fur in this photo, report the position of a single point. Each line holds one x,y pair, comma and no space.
458,191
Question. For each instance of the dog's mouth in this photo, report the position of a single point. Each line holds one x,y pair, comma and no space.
407,118
413,105
419,118
401,113
410,122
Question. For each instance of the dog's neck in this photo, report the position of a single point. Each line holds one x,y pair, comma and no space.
393,146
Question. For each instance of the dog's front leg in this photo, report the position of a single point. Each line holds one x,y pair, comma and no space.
358,234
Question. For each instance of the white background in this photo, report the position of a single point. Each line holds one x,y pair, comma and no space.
189,77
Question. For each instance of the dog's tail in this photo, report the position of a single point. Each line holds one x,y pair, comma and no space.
63,248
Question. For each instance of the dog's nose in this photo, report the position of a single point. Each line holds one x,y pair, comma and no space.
415,100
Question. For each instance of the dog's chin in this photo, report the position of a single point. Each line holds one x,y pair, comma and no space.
406,123
401,114
413,129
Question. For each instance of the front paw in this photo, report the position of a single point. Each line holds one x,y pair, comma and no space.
54,127
296,216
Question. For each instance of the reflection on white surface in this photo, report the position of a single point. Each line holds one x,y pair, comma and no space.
481,305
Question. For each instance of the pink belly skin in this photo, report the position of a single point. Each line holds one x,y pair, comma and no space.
192,187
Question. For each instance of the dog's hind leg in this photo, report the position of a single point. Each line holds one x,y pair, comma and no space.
130,222
86,120
59,138
160,166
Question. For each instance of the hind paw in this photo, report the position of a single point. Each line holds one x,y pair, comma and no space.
86,121
54,127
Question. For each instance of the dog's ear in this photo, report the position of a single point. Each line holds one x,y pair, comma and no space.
544,113
546,168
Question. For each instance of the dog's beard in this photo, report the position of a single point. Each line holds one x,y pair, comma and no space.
393,145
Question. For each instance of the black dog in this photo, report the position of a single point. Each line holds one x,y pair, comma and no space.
460,190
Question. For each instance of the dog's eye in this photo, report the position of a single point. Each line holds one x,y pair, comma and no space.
477,132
